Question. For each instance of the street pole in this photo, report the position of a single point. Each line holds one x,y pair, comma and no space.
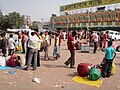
42,22
53,26
88,20
67,22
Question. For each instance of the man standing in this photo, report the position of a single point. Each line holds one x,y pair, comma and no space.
4,44
46,45
71,46
33,51
95,41
105,38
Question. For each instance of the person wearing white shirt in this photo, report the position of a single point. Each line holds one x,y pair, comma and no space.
64,35
11,45
47,43
15,36
33,51
95,40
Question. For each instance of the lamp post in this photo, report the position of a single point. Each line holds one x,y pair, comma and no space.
67,23
53,24
88,20
42,22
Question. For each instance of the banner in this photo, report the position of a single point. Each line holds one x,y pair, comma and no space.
86,4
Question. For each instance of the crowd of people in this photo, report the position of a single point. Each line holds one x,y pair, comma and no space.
31,44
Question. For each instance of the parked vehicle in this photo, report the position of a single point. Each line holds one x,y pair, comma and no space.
114,35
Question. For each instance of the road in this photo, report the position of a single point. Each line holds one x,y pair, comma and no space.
54,75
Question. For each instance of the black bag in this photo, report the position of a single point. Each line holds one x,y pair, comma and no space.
1,44
77,45
118,48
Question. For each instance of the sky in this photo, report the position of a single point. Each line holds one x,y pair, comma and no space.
37,9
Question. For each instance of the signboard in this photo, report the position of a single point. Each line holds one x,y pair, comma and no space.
86,4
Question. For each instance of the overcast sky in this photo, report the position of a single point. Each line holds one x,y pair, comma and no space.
37,9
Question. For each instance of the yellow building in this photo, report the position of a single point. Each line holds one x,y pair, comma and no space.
99,19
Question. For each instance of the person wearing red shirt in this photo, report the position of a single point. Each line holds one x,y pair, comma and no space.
105,37
71,46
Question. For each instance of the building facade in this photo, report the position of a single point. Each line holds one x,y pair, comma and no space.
101,16
27,21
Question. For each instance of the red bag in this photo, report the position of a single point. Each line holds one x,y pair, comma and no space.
83,69
13,61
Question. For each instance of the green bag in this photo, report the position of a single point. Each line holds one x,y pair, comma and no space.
94,74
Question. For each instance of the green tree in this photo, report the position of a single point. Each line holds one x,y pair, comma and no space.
15,20
12,20
33,26
4,23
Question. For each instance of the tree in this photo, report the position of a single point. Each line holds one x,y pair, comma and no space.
12,20
34,26
4,24
15,20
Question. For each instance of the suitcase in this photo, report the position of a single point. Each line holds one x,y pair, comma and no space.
83,69
85,48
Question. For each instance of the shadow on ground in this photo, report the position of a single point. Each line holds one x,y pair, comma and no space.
73,74
55,66
118,64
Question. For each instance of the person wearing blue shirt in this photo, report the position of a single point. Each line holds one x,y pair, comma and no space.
110,54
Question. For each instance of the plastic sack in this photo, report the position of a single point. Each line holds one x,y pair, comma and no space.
94,74
22,60
13,61
83,69
2,61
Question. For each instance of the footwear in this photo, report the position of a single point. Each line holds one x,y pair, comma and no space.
26,69
38,65
108,75
46,59
34,69
72,67
58,55
66,64
53,59
103,76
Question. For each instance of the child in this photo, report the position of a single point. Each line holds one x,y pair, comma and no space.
19,44
107,61
56,47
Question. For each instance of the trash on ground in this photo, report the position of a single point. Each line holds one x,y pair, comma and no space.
11,72
37,80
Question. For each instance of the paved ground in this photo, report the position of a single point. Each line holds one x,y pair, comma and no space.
55,76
